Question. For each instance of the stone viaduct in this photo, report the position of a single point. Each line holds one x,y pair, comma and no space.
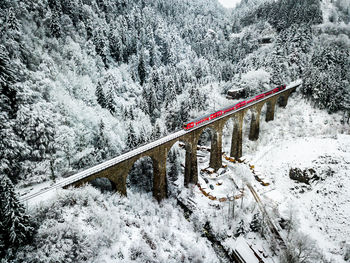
118,173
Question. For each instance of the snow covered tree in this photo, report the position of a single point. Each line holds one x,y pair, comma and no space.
326,78
110,104
156,133
116,45
102,43
154,53
183,113
8,94
170,94
11,21
173,117
141,68
131,113
154,84
150,103
241,229
143,136
131,141
101,97
15,226
172,171
55,26
198,99
55,5
255,224
101,143
11,149
301,248
36,126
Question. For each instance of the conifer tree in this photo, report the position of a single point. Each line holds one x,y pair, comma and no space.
101,43
12,22
131,141
153,53
55,5
255,224
8,94
10,148
184,112
131,113
170,94
143,136
101,97
15,226
55,26
110,101
141,68
241,230
116,46
101,143
156,133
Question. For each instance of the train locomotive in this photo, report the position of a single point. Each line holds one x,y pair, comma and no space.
198,122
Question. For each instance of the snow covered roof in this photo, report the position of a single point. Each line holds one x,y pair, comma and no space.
244,251
235,90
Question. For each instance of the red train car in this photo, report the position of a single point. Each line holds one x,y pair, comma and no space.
207,118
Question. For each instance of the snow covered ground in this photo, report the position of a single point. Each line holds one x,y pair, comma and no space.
299,137
323,207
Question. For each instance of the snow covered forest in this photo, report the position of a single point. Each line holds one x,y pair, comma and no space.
82,81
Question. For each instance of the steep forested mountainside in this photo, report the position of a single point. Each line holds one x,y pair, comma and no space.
83,81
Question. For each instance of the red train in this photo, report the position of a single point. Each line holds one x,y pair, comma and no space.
199,121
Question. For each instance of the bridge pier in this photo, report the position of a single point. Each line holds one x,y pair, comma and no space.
283,99
119,179
255,125
159,175
191,168
216,149
236,142
270,110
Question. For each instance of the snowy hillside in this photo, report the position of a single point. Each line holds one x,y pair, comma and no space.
299,137
295,139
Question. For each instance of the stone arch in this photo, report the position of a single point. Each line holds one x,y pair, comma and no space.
176,156
227,133
263,112
205,139
140,174
215,131
116,174
250,129
205,135
104,184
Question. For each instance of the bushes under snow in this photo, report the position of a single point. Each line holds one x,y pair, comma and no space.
85,226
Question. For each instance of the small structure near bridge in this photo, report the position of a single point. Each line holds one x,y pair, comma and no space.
236,93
